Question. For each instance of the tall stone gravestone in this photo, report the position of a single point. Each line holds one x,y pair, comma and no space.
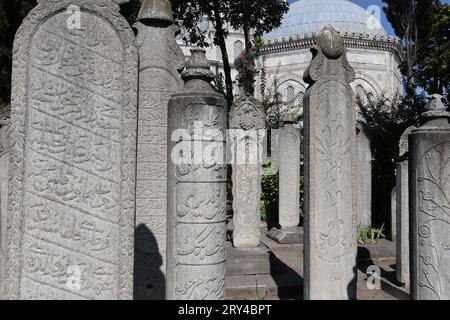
159,58
72,160
402,207
330,173
364,160
246,123
4,177
197,174
289,185
429,175
394,214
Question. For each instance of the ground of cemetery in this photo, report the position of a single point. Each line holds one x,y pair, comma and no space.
275,271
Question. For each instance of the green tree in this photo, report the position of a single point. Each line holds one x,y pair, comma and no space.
411,21
12,13
254,17
434,60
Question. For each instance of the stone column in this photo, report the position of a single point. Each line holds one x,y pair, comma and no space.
394,214
289,184
197,174
402,215
4,177
247,123
429,173
160,58
364,161
330,173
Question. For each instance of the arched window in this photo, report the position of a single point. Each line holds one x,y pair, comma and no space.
290,95
238,48
218,54
361,93
299,100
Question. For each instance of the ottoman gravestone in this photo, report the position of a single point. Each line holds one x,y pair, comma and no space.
4,177
159,59
289,185
364,161
197,174
394,214
246,123
402,207
330,173
71,201
429,189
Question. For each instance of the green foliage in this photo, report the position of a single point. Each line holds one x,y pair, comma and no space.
434,60
257,16
12,13
370,235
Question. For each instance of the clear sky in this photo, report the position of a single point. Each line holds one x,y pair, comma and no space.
366,3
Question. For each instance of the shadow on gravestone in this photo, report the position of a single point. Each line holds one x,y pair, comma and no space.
148,263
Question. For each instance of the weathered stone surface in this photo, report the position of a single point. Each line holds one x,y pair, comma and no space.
4,177
289,185
402,207
364,182
330,173
247,123
71,201
394,214
402,221
429,148
159,79
196,230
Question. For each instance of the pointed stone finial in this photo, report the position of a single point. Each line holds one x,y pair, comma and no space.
331,43
329,58
160,10
435,109
197,67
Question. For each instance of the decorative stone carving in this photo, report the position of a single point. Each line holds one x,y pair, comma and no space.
402,207
4,177
196,230
247,124
71,201
159,79
289,185
429,173
330,173
364,160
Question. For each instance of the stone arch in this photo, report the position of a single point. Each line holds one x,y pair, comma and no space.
368,83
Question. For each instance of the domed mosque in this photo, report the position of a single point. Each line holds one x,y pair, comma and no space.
373,54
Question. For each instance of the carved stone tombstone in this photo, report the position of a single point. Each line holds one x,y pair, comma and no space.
4,177
364,161
289,185
429,177
159,58
247,124
72,153
330,173
402,207
394,214
197,174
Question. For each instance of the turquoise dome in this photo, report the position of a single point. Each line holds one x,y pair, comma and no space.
307,16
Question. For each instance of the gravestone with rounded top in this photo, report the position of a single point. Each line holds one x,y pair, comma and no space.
71,201
289,183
